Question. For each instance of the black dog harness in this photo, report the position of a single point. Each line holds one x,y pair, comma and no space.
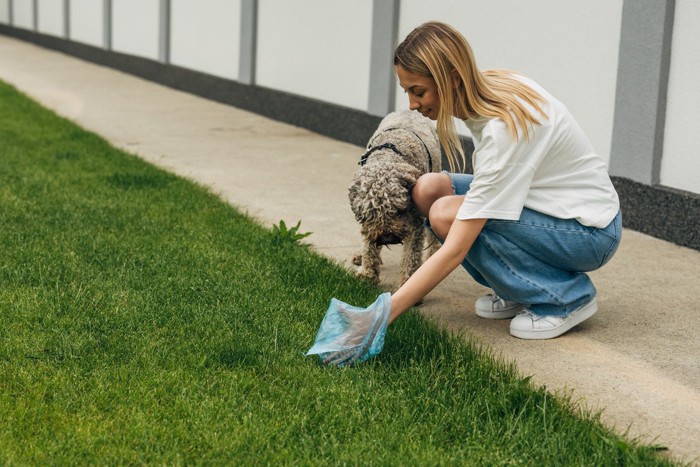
365,156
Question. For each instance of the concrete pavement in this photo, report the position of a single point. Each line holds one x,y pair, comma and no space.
638,358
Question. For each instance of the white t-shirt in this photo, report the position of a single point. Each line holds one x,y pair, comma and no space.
555,172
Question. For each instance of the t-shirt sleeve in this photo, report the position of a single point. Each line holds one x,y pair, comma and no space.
503,173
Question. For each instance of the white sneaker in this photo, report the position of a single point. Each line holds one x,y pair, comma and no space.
492,306
529,326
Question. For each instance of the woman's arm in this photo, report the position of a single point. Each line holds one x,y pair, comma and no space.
461,236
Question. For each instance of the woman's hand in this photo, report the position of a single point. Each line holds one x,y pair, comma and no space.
461,236
350,334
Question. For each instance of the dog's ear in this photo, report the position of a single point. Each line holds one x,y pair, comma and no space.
360,191
408,175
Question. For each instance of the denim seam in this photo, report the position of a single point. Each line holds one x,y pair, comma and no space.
494,251
611,237
582,230
452,182
615,242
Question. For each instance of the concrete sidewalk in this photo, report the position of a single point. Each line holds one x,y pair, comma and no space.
638,358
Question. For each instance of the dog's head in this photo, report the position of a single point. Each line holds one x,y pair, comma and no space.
380,198
413,136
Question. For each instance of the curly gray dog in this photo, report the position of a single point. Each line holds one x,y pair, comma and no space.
404,147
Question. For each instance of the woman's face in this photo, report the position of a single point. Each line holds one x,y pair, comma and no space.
422,92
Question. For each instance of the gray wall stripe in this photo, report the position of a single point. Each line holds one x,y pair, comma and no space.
164,32
10,13
248,45
642,84
66,19
107,24
382,83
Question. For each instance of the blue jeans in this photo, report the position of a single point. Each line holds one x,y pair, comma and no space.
539,260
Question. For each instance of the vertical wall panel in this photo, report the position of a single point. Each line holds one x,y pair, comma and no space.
382,83
164,7
568,46
316,48
86,23
642,85
205,36
135,27
4,11
680,165
23,14
51,17
248,41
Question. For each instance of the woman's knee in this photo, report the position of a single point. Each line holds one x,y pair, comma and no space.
443,213
429,188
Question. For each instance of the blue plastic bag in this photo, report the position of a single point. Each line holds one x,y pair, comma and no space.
349,334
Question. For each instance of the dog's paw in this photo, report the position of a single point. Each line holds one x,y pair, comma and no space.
368,276
357,259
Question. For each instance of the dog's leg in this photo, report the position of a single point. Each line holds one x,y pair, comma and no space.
412,254
432,244
371,260
357,258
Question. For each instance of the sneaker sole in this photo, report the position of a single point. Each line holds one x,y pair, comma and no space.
503,314
575,318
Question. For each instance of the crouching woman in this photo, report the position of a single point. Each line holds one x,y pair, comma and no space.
540,210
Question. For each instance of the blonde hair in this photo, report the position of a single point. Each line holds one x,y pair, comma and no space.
438,51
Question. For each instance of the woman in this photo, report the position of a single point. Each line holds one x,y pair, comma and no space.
539,211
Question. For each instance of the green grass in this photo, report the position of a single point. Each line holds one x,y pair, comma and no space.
143,320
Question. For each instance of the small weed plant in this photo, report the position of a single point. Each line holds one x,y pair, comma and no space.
282,234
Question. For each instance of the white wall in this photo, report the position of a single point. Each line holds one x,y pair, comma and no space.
135,27
23,14
321,49
51,15
570,47
316,48
205,36
680,165
86,22
4,11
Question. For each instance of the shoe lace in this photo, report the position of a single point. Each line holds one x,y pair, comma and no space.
533,316
497,302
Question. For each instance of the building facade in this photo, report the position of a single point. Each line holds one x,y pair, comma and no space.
625,68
